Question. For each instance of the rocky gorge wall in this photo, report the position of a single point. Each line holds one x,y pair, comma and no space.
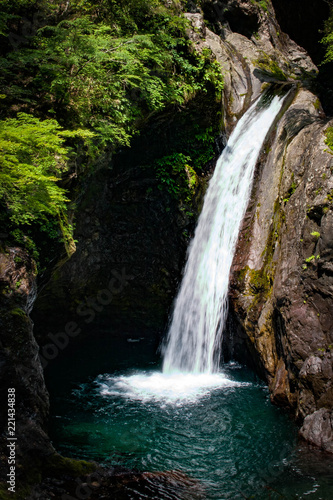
281,306
132,239
281,285
21,370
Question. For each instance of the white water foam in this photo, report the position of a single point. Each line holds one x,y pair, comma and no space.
194,338
174,388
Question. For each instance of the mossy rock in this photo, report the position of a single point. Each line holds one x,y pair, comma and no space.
18,312
256,282
58,465
269,69
259,282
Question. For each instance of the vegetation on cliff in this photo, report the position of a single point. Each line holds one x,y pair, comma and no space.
32,159
78,79
328,38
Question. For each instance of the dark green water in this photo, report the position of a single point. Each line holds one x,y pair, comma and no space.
228,437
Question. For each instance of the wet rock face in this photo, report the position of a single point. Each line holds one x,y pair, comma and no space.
124,272
318,429
281,312
281,302
282,280
20,368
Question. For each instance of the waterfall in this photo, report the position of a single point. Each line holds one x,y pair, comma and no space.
194,338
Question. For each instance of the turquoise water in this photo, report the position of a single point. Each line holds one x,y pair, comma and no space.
109,404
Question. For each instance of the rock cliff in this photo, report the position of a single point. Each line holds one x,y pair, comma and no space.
282,283
21,370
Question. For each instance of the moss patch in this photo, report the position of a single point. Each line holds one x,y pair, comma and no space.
18,312
270,68
259,282
329,139
253,282
59,465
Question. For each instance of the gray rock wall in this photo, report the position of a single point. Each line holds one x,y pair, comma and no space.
282,282
21,370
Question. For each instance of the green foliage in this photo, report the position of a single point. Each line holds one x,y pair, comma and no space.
316,104
259,281
99,70
310,259
291,191
329,196
203,148
93,75
263,4
315,234
175,173
32,159
329,139
328,39
178,172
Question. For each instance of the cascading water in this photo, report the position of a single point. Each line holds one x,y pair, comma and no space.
194,338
